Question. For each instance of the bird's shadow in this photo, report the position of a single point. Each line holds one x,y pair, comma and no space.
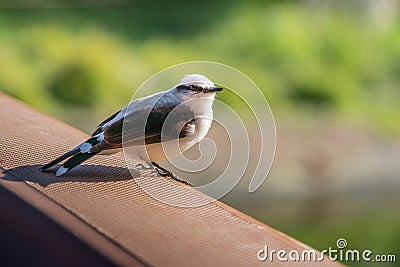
82,173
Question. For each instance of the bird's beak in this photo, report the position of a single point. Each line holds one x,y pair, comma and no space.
212,89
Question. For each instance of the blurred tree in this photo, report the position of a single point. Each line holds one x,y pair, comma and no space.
72,85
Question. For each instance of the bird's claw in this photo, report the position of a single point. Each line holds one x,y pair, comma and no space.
163,172
175,177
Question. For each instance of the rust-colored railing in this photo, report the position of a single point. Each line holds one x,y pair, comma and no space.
102,208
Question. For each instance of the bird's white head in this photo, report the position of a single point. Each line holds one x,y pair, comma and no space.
197,92
196,85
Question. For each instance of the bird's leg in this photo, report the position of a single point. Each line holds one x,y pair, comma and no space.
163,172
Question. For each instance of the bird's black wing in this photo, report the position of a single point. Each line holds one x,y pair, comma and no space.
99,128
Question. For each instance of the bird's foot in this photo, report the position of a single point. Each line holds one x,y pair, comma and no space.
143,167
163,172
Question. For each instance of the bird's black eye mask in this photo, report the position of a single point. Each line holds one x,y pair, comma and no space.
190,87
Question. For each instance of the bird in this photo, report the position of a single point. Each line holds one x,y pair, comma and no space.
152,128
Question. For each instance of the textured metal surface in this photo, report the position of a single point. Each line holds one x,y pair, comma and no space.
103,194
31,221
28,238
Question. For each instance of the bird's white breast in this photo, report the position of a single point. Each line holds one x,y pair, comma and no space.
202,126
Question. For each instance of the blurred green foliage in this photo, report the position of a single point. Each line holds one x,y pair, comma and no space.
307,57
72,85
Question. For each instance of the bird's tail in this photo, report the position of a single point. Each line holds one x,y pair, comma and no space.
79,154
59,159
73,162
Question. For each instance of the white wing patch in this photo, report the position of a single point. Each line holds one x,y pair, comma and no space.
85,147
100,137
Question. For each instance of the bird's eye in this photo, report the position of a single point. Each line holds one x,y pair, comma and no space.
192,87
